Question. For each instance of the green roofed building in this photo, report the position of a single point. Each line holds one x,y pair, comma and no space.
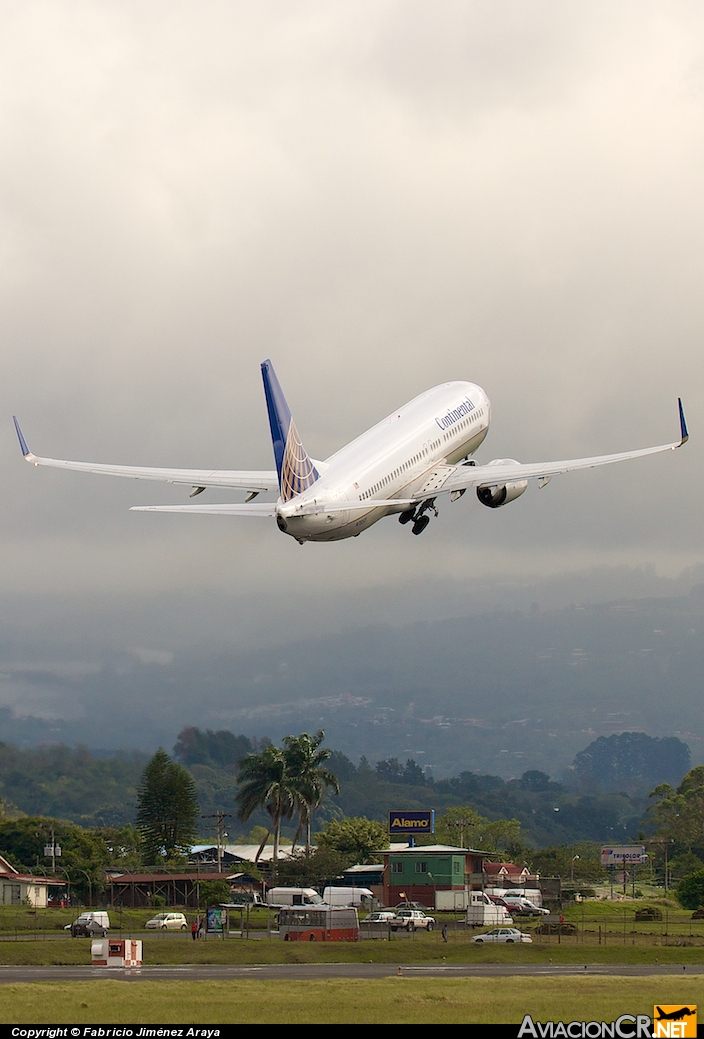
417,874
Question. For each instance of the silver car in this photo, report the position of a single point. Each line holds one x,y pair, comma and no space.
168,922
503,934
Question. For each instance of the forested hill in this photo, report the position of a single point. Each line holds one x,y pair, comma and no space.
70,784
73,784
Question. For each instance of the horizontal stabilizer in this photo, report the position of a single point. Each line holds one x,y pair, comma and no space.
262,510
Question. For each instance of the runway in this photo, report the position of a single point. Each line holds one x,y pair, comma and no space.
317,971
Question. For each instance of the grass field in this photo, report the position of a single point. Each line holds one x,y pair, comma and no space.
421,948
396,1000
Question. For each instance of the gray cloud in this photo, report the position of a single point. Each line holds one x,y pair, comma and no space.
379,196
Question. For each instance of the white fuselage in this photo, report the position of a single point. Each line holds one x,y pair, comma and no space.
400,457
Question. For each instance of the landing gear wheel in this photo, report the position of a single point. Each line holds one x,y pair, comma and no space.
406,517
420,524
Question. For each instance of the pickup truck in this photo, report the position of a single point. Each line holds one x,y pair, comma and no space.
411,920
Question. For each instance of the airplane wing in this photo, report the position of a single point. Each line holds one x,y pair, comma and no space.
508,471
244,480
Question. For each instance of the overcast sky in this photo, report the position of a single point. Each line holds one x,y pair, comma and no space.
379,195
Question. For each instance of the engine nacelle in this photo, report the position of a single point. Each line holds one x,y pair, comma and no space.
501,493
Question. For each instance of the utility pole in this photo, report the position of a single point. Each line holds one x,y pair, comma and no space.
52,851
220,831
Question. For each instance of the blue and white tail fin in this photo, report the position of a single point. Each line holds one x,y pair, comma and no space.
296,470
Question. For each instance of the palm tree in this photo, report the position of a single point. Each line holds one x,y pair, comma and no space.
305,759
264,782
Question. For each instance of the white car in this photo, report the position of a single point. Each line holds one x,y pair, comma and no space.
503,934
411,920
168,922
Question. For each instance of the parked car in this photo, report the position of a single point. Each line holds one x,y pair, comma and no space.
498,901
503,934
382,916
411,920
168,922
90,925
524,907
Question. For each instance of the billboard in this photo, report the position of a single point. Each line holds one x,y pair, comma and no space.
411,822
624,855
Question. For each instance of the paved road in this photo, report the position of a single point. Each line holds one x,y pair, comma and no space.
315,971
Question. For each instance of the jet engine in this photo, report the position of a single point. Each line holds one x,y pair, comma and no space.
500,494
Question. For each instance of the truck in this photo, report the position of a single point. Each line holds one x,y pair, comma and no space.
482,912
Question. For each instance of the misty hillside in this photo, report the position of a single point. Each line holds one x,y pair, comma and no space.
499,693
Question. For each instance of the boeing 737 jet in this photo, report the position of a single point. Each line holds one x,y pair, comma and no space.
402,466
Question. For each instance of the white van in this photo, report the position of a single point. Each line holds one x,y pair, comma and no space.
348,896
293,896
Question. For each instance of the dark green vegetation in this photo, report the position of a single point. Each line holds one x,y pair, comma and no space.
85,853
99,791
286,781
70,784
167,809
549,812
631,761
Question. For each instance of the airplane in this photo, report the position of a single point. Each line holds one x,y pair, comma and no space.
401,466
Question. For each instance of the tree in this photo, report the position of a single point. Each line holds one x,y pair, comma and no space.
265,782
220,749
631,761
356,836
465,827
690,891
678,815
309,777
315,869
213,892
167,812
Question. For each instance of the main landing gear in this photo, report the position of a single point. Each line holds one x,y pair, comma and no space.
418,516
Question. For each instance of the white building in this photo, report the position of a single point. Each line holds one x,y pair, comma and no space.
17,889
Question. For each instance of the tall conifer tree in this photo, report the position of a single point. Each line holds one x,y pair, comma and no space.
167,812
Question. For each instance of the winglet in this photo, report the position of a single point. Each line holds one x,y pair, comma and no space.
23,443
683,423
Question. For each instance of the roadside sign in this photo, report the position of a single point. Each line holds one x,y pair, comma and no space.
411,822
623,855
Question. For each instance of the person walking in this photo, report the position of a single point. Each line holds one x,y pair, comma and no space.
194,930
444,932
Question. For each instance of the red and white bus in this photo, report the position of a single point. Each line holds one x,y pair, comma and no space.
319,924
